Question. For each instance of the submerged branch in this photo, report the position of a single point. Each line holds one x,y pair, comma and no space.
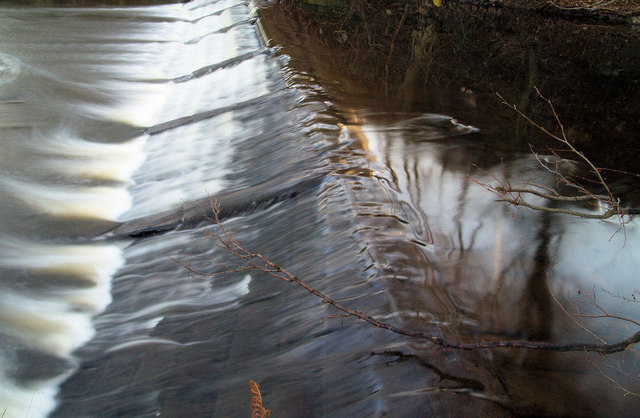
521,202
506,194
557,197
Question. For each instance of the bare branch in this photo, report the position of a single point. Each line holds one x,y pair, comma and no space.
566,142
521,202
259,262
603,312
549,196
610,379
576,319
517,195
595,5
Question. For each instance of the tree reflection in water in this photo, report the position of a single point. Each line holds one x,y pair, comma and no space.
483,270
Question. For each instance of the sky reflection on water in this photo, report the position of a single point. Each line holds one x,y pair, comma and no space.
491,270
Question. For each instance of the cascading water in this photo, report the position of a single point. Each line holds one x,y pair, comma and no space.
117,123
78,88
114,114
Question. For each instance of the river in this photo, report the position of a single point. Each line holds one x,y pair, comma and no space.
112,115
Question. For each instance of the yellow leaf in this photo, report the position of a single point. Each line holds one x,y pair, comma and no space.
438,3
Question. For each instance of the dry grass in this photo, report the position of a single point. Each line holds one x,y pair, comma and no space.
257,409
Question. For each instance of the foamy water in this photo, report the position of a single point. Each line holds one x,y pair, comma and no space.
63,73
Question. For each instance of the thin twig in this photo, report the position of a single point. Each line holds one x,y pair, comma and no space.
573,317
560,198
517,195
391,48
610,379
521,202
505,194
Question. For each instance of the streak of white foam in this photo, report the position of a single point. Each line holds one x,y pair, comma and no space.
92,300
239,289
157,198
48,326
231,45
143,341
9,68
138,324
54,325
151,201
34,401
194,170
100,202
93,263
76,157
133,103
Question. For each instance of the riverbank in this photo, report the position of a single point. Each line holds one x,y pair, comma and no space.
404,57
616,11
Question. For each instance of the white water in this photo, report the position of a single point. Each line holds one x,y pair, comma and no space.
62,71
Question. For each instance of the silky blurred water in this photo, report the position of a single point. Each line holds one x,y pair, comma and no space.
109,114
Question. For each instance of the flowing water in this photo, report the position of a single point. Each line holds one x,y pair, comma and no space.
108,115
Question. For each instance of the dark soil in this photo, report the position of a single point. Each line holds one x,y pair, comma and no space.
589,68
620,7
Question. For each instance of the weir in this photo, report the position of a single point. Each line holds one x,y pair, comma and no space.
218,207
124,123
124,127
